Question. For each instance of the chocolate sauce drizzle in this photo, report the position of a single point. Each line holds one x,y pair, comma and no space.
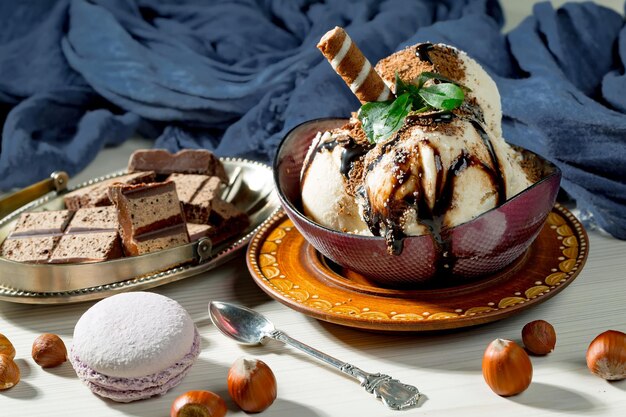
329,146
352,151
496,173
434,117
421,51
387,222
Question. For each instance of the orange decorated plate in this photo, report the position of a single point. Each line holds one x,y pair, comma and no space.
291,271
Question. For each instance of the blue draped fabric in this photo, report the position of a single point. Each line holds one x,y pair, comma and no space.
235,76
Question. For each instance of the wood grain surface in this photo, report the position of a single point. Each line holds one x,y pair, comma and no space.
445,365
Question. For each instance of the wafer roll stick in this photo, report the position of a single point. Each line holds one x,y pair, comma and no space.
349,62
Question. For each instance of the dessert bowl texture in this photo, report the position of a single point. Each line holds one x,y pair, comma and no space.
481,246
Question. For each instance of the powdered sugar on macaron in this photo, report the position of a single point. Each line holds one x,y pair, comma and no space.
131,389
134,345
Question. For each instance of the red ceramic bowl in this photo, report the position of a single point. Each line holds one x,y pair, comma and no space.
479,247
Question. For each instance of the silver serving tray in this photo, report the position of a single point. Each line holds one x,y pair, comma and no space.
251,189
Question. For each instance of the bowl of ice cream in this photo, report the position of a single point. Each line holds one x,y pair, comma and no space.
442,198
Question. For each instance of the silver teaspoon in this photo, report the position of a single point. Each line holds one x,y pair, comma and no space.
248,327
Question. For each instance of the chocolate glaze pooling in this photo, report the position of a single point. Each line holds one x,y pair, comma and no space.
352,151
421,51
328,146
387,221
496,173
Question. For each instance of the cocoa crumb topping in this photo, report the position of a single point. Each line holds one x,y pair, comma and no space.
428,123
470,109
408,66
358,134
356,177
447,63
534,168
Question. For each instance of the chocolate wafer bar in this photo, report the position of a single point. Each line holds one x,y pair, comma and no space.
94,219
198,231
91,236
35,236
41,223
45,236
187,161
226,221
96,195
203,200
36,249
87,247
349,62
150,217
197,193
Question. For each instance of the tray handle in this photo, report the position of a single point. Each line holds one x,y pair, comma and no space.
203,249
56,182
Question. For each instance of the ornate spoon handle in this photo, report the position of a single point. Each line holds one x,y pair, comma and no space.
393,393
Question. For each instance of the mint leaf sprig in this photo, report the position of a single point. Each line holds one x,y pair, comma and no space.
382,119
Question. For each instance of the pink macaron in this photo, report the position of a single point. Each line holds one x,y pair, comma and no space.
134,345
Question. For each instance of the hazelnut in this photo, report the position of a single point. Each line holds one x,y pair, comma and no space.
49,350
539,337
506,368
198,404
9,372
606,355
251,384
6,348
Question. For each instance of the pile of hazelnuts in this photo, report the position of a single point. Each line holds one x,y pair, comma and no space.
48,351
506,366
508,371
251,385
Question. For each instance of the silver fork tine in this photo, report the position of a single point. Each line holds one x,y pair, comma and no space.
234,179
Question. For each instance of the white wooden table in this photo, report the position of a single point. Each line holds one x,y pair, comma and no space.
446,366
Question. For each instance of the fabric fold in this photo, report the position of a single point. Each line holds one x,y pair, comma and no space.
235,77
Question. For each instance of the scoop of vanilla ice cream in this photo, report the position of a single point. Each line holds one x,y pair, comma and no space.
517,179
453,64
472,194
435,175
440,170
325,199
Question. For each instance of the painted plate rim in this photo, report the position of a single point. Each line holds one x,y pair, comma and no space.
560,221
